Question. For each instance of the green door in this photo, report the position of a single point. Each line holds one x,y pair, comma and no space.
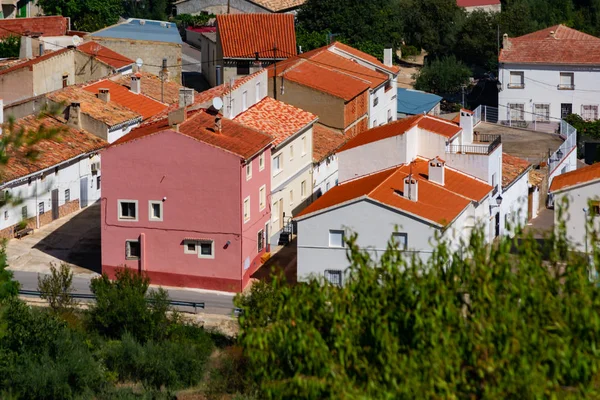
22,9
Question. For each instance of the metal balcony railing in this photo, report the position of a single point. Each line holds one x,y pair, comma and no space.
566,87
493,140
516,85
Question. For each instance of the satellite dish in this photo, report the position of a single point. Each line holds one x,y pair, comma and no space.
217,103
76,40
139,62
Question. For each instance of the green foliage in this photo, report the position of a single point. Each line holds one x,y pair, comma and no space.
126,305
8,287
477,40
409,51
310,40
56,288
443,76
86,15
148,9
10,47
230,375
493,324
588,128
185,20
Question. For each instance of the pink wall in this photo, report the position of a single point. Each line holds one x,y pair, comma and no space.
202,187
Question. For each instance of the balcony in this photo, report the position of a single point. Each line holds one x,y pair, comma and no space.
482,144
569,86
516,85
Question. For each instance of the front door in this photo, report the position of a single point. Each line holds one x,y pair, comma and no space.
55,204
497,222
267,238
566,109
281,214
83,192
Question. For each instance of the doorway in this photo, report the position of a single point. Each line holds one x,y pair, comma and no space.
83,192
55,204
566,109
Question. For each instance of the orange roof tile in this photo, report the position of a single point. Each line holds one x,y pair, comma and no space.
105,54
151,86
279,5
234,137
325,142
439,125
46,26
278,119
67,144
328,59
536,177
243,35
143,105
512,168
476,3
564,46
367,57
436,203
586,174
34,61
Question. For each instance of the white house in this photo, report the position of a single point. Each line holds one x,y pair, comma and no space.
480,5
581,188
325,162
65,177
548,74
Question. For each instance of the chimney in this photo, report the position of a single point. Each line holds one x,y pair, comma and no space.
466,123
74,115
41,48
218,124
505,42
552,34
176,117
387,57
186,97
104,95
411,188
437,171
1,112
26,50
219,76
136,83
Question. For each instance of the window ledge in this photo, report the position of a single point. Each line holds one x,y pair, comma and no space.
277,173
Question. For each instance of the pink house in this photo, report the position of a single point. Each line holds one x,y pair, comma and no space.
188,204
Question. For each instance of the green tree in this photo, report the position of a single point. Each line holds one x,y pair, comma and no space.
57,287
86,15
8,286
477,40
443,76
10,47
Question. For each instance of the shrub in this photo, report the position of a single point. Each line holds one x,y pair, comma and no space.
56,288
8,287
443,76
10,46
409,51
229,375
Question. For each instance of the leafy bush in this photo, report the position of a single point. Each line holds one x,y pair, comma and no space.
229,375
56,288
443,76
10,47
8,287
409,51
126,305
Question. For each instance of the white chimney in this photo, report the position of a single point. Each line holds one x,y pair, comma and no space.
387,57
104,94
136,84
186,97
505,42
75,115
437,171
466,123
411,188
1,112
26,50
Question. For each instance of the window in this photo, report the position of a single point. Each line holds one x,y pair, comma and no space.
375,101
67,195
190,246
390,115
517,80
132,250
5,215
388,85
303,189
292,197
207,249
595,208
55,170
246,209
336,238
567,81
303,145
275,211
277,165
401,238
291,152
231,108
261,161
494,183
243,67
244,100
249,170
98,183
374,123
65,81
155,210
29,181
542,112
41,207
589,112
260,240
24,212
257,92
327,186
334,277
516,112
128,210
262,197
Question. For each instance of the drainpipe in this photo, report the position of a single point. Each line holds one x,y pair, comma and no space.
37,209
142,252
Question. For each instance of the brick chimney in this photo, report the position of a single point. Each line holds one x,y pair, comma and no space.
136,85
411,188
437,171
104,94
74,118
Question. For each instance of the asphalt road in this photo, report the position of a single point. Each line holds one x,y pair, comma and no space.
214,303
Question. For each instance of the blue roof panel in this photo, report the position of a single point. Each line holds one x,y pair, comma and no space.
142,29
412,102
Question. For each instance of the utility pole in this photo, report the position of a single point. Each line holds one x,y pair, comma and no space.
228,6
163,76
498,27
275,70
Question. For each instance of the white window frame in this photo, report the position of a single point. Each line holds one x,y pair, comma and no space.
542,117
150,210
262,197
291,197
261,161
185,246
520,109
569,76
402,244
120,216
258,242
244,100
246,219
212,250
303,145
128,249
518,82
275,211
249,170
337,232
328,273
291,152
277,169
257,92
303,191
593,110
67,195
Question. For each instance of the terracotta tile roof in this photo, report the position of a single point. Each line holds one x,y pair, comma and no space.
34,61
477,3
46,26
105,54
234,137
536,177
586,174
138,103
67,144
512,168
427,122
150,85
328,59
565,46
276,118
224,89
436,203
242,35
110,113
325,142
279,5
367,57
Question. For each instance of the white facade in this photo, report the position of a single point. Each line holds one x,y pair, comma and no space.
515,206
325,175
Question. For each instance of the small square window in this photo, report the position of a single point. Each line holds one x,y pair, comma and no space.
132,250
207,249
595,208
567,81
401,239
67,195
336,238
517,80
277,165
128,210
334,277
98,183
261,161
65,81
155,210
375,101
190,247
249,170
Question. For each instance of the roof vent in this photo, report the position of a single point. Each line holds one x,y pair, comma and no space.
163,24
142,22
104,95
218,124
552,34
411,188
437,171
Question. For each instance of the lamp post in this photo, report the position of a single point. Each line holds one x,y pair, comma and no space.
499,86
585,217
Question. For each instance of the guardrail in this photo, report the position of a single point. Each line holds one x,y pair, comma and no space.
89,296
475,149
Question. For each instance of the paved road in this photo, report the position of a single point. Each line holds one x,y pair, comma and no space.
214,303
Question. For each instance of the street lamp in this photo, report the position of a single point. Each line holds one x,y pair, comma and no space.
499,86
585,214
498,203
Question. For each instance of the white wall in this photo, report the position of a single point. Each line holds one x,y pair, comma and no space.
387,101
541,87
515,205
119,133
478,165
233,100
325,174
568,163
